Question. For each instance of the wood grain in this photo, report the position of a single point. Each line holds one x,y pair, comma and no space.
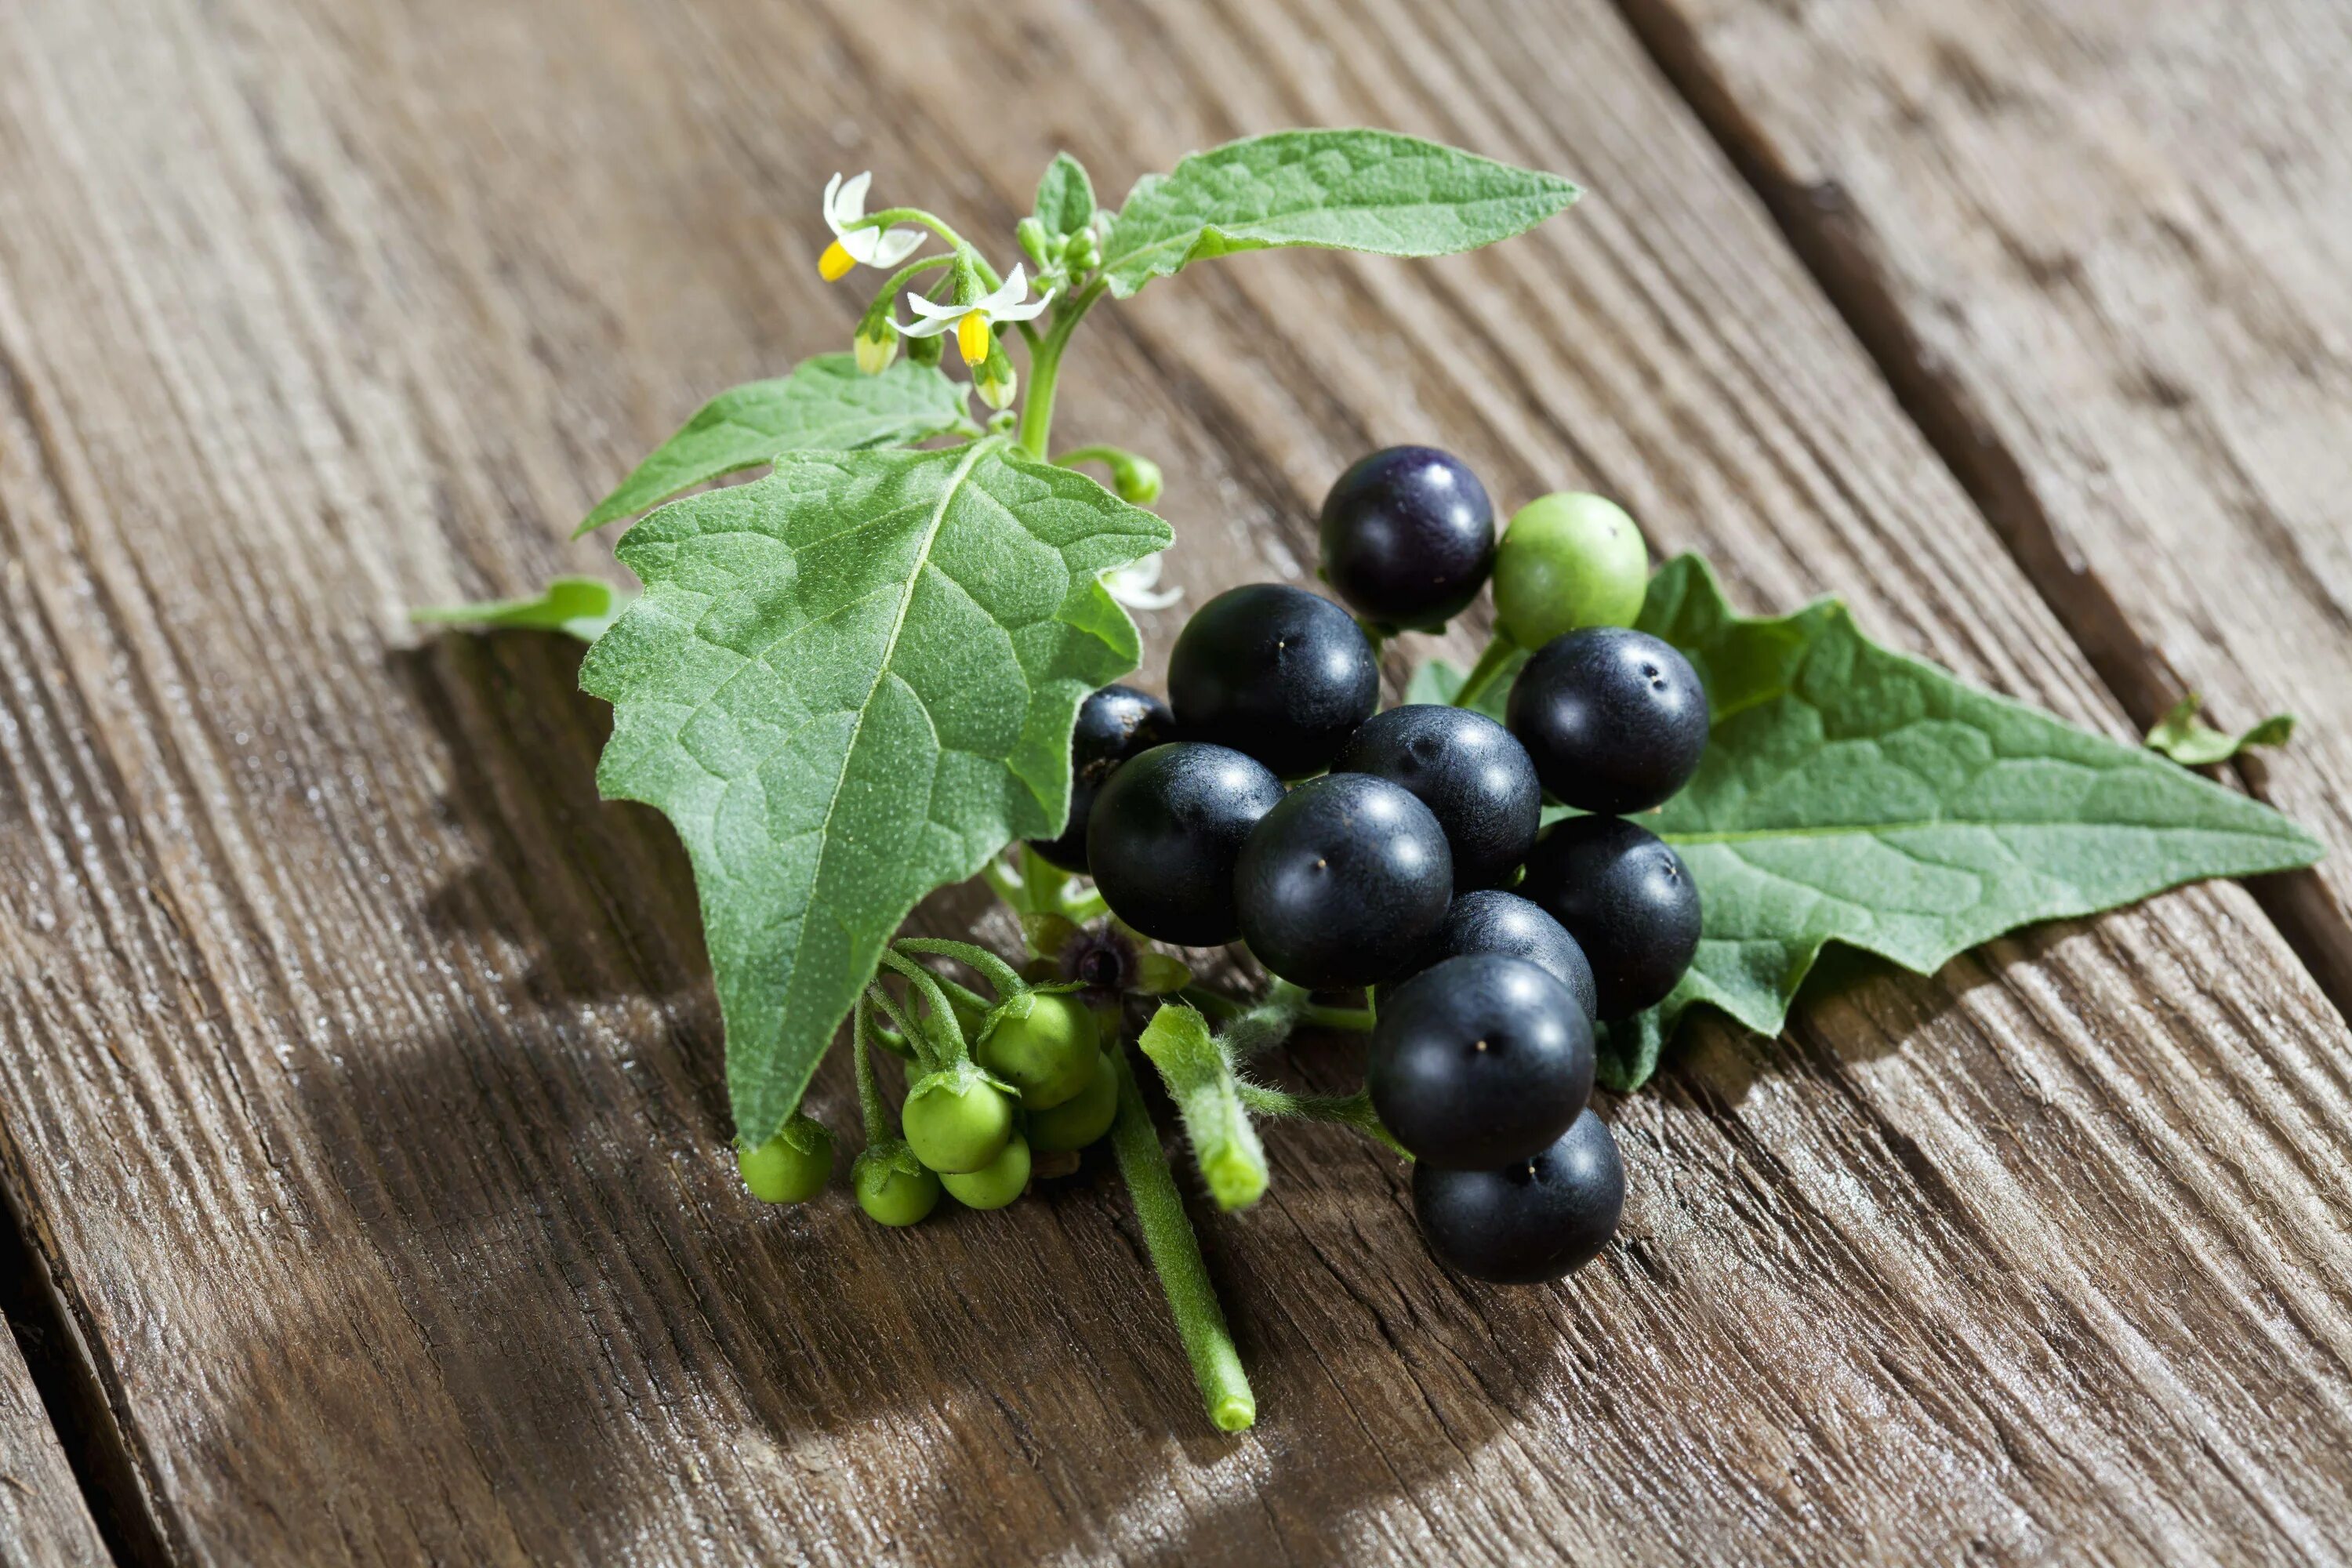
42,1522
2101,251
367,1103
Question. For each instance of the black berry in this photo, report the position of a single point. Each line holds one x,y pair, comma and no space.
1531,1221
1343,882
1277,673
1467,769
1114,724
1492,921
1479,1061
1629,902
1166,830
1615,720
1408,537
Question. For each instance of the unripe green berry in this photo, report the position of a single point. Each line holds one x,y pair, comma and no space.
893,1187
1080,1119
1568,562
956,1120
997,1184
791,1167
1043,1045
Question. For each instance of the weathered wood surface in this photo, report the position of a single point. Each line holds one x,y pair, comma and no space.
364,1089
2103,251
43,1520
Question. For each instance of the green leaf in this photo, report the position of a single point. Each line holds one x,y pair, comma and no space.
1435,681
1345,189
582,606
826,404
1854,794
2187,740
849,683
1066,198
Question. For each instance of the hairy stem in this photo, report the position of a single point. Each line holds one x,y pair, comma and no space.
929,983
869,1096
925,1056
1176,1255
1045,367
1200,1079
1002,976
1345,1110
1483,673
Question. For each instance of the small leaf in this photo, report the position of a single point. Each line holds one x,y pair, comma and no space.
1345,189
2187,740
583,607
1434,682
849,683
1066,198
1854,794
826,404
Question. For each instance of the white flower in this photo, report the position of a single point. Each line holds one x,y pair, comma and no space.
1137,584
845,204
971,323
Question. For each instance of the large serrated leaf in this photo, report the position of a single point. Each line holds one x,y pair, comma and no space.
1854,795
847,684
826,403
1345,189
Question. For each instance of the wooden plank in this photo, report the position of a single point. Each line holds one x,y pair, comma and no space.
42,1522
370,1106
2102,252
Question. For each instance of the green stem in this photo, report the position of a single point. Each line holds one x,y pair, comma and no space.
1483,674
1176,1255
923,977
889,216
1345,1110
1001,975
1200,1078
908,273
1080,908
1045,367
869,1095
1007,884
916,1039
1216,1003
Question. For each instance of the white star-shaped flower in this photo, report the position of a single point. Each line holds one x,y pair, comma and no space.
845,204
971,323
1137,584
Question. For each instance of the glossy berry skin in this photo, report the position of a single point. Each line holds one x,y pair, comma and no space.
1568,562
1615,720
1114,724
791,1167
1532,1221
1468,771
955,1120
1276,671
1479,1061
1343,882
1079,1121
1408,537
1044,1045
893,1187
1490,920
1166,833
1629,902
997,1184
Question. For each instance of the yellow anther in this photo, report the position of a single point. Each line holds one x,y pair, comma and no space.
835,263
972,338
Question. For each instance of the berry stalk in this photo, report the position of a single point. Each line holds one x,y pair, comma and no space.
1176,1255
1200,1079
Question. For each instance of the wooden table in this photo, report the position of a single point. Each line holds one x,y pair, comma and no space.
361,1109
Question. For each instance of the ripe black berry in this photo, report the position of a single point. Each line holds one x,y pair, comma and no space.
1467,769
1343,882
1629,902
1114,724
1492,921
1479,1061
1531,1221
1615,720
1166,830
1277,673
1408,537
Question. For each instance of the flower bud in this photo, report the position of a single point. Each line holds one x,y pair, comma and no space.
994,377
1081,251
1036,242
876,343
1135,480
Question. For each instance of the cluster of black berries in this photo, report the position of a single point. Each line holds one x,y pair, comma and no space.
1387,867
